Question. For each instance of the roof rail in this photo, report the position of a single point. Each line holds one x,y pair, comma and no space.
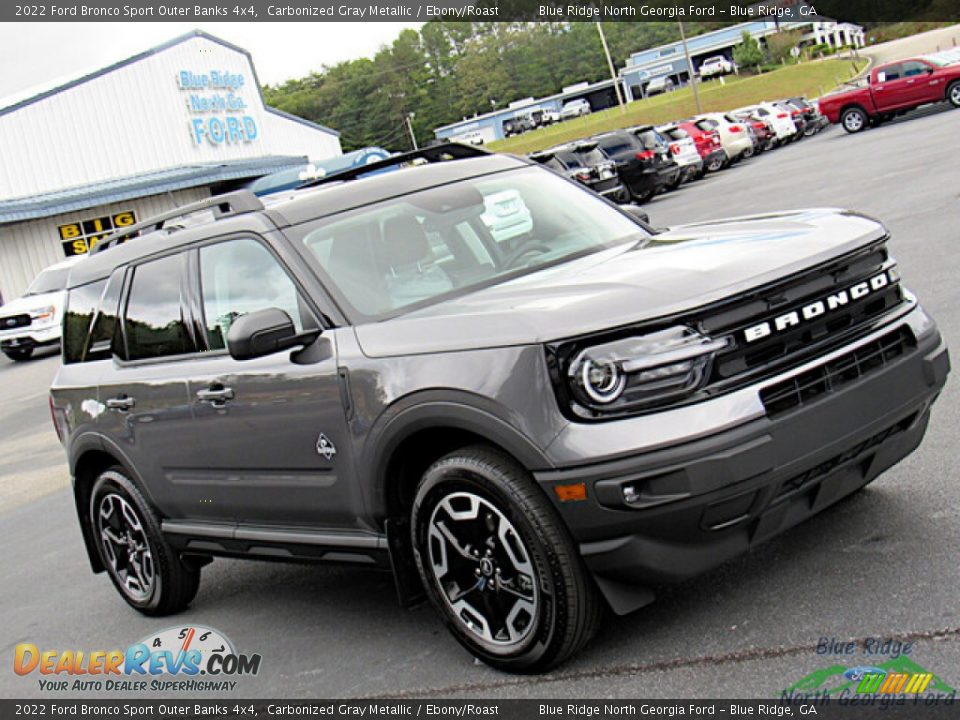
233,203
432,153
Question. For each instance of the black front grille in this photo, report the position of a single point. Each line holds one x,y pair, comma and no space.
822,379
791,346
14,321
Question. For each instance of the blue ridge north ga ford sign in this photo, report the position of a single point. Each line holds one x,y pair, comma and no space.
217,107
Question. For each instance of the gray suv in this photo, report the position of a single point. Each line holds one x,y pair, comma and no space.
527,430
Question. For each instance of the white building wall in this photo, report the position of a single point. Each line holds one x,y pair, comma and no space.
138,119
27,248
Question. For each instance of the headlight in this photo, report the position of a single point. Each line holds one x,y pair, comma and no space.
43,314
634,372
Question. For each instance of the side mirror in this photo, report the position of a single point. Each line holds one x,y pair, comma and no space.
637,213
265,332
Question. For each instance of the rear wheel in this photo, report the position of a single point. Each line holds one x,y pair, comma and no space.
146,571
853,120
19,355
499,565
953,94
716,163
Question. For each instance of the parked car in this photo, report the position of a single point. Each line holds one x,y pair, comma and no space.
684,150
644,164
779,118
734,136
658,85
582,162
893,89
796,115
815,121
763,132
542,118
575,108
360,374
518,125
33,320
506,215
716,66
708,144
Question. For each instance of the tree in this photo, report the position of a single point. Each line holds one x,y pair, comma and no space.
748,54
780,44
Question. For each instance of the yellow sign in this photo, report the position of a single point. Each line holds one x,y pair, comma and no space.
80,238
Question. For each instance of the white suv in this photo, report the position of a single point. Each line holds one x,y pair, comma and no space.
33,320
778,118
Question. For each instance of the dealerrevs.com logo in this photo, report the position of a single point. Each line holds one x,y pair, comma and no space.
188,659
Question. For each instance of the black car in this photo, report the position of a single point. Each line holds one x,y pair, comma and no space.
643,160
584,163
814,121
525,430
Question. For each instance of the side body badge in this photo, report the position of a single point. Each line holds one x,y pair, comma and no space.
325,447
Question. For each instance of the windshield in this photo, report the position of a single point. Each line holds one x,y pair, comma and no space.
415,250
48,281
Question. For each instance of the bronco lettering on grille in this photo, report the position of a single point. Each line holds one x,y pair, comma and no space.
820,307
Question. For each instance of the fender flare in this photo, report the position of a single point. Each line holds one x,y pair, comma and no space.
438,409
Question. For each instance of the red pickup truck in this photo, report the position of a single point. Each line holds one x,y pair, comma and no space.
893,89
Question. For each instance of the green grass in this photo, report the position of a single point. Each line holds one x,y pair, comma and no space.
811,79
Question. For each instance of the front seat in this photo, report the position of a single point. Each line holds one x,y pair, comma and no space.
409,267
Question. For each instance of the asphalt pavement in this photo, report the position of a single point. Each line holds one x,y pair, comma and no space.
881,564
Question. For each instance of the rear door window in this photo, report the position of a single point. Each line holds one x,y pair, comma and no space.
154,323
912,68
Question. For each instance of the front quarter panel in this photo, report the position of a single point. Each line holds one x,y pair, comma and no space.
503,395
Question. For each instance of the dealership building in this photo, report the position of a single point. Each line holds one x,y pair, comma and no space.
171,125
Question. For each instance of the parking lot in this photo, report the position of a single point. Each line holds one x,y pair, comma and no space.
880,564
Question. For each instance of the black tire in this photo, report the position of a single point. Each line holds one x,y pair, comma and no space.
168,583
715,165
549,595
19,355
854,119
953,94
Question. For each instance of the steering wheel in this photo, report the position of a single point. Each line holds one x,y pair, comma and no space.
523,250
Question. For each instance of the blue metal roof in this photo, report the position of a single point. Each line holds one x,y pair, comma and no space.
179,178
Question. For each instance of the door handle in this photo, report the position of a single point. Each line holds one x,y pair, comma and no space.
215,395
121,403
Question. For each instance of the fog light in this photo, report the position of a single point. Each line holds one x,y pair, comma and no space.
631,494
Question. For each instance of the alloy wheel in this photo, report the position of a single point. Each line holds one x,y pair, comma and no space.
853,121
955,95
483,570
125,546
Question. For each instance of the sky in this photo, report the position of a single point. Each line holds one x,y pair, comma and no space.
36,54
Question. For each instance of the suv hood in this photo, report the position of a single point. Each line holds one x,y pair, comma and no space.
681,269
32,303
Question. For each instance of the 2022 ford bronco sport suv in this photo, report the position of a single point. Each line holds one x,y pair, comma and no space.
525,430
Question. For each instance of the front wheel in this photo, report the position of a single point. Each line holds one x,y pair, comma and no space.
853,120
19,355
499,565
149,575
953,94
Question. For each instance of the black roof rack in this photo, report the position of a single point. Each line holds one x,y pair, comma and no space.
433,153
234,203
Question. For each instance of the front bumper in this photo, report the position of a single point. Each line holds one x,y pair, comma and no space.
705,501
30,337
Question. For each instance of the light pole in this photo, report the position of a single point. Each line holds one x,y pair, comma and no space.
413,138
613,73
693,77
